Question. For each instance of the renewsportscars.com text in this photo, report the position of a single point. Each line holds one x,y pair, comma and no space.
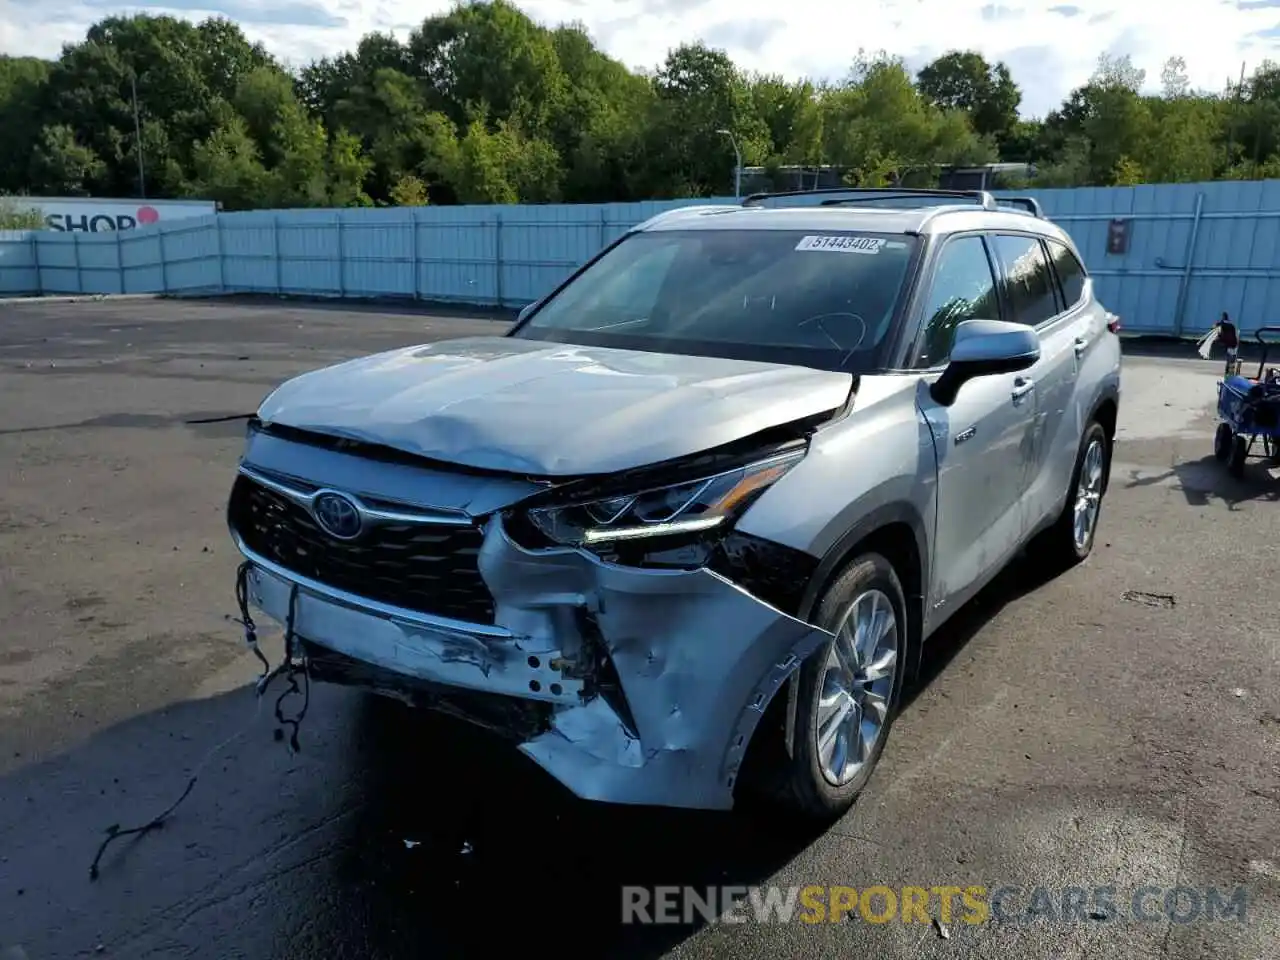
971,904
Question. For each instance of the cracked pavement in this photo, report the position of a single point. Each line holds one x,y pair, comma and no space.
1075,733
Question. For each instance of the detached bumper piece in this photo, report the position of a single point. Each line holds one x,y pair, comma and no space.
626,685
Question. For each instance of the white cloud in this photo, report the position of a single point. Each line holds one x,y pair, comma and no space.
1051,45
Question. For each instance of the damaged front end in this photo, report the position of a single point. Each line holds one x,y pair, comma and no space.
618,630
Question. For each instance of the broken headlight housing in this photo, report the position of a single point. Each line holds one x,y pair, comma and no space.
673,524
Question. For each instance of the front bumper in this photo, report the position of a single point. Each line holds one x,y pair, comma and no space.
626,685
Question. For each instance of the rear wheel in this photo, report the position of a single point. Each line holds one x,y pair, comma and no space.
1222,443
1239,452
1070,540
849,691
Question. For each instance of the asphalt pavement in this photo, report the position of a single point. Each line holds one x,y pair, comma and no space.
1115,727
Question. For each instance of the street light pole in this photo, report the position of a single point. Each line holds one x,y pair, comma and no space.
737,164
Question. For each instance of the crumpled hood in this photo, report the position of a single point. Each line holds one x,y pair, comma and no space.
527,406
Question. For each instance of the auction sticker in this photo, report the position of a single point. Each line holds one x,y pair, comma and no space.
842,244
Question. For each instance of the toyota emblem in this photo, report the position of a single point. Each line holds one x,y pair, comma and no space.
337,515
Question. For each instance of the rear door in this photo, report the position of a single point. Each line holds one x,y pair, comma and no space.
1086,319
981,440
1031,295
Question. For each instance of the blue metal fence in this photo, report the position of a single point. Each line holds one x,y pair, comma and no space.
1194,250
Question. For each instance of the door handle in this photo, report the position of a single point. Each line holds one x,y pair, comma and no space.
1021,387
1081,345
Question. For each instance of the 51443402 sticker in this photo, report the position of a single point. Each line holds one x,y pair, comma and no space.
845,244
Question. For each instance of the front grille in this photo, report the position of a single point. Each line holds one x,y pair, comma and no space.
429,569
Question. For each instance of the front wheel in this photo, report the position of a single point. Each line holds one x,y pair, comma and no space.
849,691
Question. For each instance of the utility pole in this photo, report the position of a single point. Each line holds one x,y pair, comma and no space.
137,130
137,118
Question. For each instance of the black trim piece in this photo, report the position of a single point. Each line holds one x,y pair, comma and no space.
840,551
900,336
599,673
769,571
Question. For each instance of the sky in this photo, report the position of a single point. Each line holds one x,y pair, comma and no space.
1050,46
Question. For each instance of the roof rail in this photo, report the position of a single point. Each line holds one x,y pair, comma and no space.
1030,204
866,194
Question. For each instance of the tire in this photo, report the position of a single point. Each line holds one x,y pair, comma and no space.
1222,443
1060,546
804,787
1271,449
1239,451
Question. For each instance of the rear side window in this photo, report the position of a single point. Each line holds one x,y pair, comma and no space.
1071,272
1028,284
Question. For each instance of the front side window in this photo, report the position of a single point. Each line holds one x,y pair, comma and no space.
1070,272
1028,284
825,299
963,289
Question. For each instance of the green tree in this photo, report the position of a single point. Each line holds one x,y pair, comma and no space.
965,81
228,166
599,124
700,94
61,165
409,191
346,167
397,131
22,82
489,57
880,127
505,166
483,104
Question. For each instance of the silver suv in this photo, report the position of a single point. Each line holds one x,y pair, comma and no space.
685,528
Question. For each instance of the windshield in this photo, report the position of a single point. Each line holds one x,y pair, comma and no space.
823,300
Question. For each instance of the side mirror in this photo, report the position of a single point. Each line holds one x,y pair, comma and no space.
983,348
526,310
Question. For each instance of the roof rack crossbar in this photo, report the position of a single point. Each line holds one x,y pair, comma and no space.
1030,204
984,198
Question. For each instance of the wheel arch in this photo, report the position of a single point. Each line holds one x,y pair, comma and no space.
1106,410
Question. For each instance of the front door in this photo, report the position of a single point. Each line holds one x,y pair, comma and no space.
982,441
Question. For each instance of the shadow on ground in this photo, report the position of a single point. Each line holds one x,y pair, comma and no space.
1206,480
1019,578
390,835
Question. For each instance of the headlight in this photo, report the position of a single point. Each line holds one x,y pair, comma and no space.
687,508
